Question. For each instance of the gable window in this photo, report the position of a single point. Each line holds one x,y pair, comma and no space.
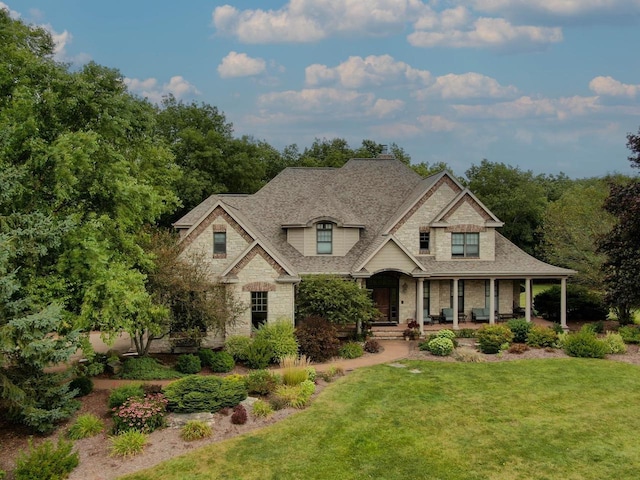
259,308
219,243
324,237
465,245
424,242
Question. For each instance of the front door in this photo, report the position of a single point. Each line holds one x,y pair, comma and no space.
381,299
385,294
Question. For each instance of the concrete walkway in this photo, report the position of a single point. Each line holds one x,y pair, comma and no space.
393,350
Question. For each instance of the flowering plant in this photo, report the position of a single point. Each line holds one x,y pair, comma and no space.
142,414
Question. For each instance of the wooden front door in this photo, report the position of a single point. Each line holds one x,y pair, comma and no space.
381,299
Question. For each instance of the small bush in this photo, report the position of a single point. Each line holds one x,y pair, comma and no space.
280,338
238,347
372,346
582,304
218,362
239,415
46,461
198,393
188,364
630,333
614,342
146,368
584,344
518,348
332,372
296,396
467,355
492,338
195,430
441,346
262,382
127,444
520,328
541,337
311,374
85,426
119,395
445,333
142,414
259,355
294,369
84,386
351,350
466,333
262,409
318,339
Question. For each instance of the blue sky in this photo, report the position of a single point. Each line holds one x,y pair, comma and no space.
548,85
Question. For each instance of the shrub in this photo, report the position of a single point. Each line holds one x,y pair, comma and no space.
146,368
239,415
615,343
85,426
441,346
142,414
520,328
630,333
128,444
296,396
311,374
84,385
280,338
119,395
149,388
262,382
372,346
46,461
584,344
188,364
294,369
259,355
238,347
198,393
542,337
466,333
492,338
262,409
195,430
332,372
467,355
582,304
518,348
424,346
351,350
445,333
318,339
221,362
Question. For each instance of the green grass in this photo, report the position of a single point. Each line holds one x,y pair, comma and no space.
536,419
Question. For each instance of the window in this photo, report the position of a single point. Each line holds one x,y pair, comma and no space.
426,299
259,307
324,236
424,242
487,293
465,245
219,243
460,295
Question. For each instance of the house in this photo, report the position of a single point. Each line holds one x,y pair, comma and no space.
421,245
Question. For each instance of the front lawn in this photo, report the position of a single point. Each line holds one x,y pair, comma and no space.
536,419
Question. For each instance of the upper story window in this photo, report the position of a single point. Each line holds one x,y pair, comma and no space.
465,245
324,237
219,243
424,242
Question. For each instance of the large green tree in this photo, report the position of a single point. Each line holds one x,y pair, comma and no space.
622,244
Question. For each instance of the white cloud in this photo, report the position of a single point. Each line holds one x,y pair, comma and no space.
558,8
240,65
467,85
383,108
357,72
527,107
609,86
12,13
487,32
149,88
320,100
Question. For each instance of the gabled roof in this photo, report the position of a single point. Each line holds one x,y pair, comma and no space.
379,245
466,196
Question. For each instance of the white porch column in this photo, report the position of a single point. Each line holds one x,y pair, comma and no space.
492,301
420,304
455,304
527,297
563,304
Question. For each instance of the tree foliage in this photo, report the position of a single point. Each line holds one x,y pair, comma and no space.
622,244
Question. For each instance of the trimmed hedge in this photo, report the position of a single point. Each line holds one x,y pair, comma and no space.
204,394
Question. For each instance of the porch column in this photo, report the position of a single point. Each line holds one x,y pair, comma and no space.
362,283
420,304
492,301
455,304
527,299
563,304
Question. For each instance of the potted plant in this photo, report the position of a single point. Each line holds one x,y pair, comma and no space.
412,332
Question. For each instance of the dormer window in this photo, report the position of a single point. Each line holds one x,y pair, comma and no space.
324,237
465,245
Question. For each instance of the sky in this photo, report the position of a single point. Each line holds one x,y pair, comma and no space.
549,85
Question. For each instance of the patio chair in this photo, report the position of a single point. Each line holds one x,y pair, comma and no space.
447,315
480,314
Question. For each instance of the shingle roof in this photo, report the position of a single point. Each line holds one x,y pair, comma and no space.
371,193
